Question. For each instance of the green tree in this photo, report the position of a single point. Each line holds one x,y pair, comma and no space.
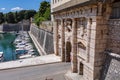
29,13
16,17
1,18
10,17
43,13
47,14
21,15
43,7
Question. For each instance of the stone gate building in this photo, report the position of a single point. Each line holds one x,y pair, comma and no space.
83,31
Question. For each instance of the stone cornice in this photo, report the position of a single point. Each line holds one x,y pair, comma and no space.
73,4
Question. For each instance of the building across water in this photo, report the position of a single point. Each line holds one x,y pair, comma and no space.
84,30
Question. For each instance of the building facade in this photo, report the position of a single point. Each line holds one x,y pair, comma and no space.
83,31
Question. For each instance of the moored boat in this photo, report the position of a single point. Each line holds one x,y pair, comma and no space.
1,57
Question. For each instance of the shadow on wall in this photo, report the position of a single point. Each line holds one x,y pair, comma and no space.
111,68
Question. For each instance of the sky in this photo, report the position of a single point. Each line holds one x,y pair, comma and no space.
17,5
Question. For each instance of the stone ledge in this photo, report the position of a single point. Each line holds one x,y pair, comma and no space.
73,76
41,60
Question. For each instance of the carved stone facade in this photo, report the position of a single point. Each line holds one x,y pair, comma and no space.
82,33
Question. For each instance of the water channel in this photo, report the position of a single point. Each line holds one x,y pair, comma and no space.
7,46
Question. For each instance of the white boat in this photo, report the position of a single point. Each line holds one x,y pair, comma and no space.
1,56
25,56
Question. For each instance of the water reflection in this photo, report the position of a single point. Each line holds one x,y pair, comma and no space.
7,47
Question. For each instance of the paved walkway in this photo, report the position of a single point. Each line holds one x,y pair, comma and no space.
47,59
54,71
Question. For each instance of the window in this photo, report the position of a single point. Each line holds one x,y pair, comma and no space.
115,11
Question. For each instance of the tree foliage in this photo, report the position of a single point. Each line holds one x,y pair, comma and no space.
15,17
1,18
43,13
10,17
43,7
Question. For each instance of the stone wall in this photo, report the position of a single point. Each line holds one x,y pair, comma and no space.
14,27
114,35
44,38
47,25
111,68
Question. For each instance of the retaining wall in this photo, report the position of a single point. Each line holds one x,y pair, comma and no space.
44,38
14,27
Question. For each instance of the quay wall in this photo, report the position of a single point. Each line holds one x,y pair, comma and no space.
44,38
14,27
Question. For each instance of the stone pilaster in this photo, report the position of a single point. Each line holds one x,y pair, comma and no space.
88,39
74,46
100,45
63,40
56,37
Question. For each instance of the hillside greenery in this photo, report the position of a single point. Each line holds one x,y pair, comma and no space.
15,17
42,14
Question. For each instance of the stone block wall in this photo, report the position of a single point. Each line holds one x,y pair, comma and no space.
47,25
114,36
111,68
14,27
44,38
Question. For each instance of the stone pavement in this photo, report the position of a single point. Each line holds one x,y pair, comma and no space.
73,76
54,71
47,59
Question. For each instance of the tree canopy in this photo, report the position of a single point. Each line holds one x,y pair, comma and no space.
15,17
43,13
1,17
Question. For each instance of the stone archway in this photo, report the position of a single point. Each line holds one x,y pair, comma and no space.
68,52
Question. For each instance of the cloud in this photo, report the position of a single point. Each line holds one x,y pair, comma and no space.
2,9
16,9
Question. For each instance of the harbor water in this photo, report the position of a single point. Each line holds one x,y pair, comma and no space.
7,46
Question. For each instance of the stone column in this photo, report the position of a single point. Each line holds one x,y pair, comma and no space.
63,40
56,37
74,46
